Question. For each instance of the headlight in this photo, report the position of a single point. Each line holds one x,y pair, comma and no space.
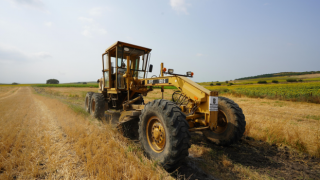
189,73
170,71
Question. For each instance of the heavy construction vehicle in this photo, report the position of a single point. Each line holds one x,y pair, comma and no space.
164,126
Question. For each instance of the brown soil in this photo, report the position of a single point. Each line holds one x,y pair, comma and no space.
279,162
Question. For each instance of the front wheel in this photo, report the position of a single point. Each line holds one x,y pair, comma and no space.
231,123
97,105
163,133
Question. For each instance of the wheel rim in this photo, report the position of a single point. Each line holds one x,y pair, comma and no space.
93,105
222,123
87,103
156,134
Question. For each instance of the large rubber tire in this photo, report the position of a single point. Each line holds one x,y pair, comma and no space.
233,126
97,106
177,136
87,101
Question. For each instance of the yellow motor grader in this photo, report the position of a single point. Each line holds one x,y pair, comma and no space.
163,126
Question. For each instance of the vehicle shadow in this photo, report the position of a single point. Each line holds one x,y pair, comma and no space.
277,161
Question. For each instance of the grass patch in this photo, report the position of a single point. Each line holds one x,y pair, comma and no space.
313,117
79,110
66,85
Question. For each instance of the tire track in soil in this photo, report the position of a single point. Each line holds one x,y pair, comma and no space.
61,148
4,96
38,148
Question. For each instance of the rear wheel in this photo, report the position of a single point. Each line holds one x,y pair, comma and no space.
97,106
163,133
231,123
87,101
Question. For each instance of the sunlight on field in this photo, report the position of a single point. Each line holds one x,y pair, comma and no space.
291,123
41,137
273,121
70,91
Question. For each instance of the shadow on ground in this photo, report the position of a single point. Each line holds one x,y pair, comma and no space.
277,161
273,160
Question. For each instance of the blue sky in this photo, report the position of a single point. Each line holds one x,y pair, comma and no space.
216,39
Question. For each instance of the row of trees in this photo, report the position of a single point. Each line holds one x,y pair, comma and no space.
55,81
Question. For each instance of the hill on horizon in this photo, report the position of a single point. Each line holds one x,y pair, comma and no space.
279,74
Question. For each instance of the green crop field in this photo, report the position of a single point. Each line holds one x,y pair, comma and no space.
280,79
66,85
306,91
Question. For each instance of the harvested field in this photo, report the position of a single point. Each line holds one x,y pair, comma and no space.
43,138
277,142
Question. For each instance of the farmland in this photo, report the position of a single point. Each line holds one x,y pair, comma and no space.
307,91
280,79
41,137
70,144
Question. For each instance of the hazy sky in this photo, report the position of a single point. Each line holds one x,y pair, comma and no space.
216,39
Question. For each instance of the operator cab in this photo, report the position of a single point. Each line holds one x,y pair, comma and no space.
114,62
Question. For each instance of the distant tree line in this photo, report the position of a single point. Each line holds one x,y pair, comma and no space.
52,81
279,74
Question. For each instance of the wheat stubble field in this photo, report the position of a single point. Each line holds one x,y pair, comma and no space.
42,138
45,134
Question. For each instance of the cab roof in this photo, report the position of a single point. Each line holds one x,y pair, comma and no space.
127,44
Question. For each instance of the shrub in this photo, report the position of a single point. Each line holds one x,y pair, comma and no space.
14,83
262,82
275,81
230,84
227,82
84,83
211,84
218,84
300,80
291,80
52,81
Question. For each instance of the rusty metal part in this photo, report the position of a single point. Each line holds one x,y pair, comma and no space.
93,105
201,121
126,105
198,129
222,123
156,134
134,100
183,108
128,113
194,116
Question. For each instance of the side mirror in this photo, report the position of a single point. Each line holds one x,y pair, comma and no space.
150,68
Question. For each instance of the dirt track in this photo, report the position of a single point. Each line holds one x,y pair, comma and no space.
27,116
